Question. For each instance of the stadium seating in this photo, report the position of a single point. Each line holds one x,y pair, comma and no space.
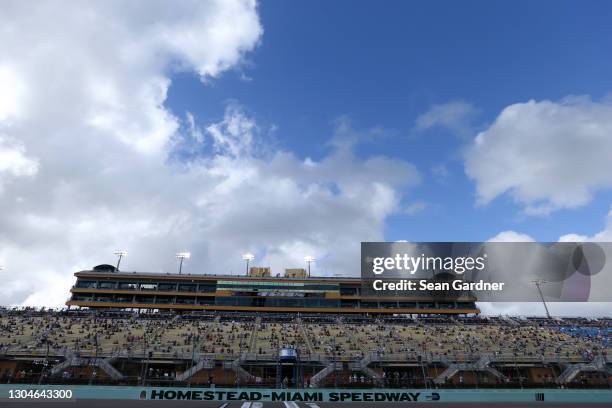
86,333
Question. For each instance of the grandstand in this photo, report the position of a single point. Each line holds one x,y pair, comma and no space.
293,331
250,349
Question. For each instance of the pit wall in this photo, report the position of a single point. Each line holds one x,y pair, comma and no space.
313,395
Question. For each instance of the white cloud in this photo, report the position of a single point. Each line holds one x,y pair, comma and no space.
415,208
511,236
454,116
106,64
546,155
234,135
91,146
84,130
573,238
346,135
283,208
12,90
605,235
13,160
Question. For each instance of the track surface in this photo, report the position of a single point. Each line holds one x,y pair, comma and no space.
238,404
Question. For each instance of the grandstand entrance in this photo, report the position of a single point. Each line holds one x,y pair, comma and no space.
289,370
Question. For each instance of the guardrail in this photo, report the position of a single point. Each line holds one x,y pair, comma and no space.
548,358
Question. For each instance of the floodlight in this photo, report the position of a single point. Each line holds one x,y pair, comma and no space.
248,257
120,253
182,256
309,259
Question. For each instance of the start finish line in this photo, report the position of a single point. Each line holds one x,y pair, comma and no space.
13,392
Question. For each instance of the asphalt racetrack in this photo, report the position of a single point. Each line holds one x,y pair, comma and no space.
238,404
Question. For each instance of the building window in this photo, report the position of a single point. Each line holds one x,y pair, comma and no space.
86,284
166,286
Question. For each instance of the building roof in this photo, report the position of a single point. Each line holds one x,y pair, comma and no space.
199,277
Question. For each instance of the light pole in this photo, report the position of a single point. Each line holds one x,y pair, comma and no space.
248,257
120,254
309,259
538,282
182,256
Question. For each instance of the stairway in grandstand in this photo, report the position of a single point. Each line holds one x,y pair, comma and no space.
73,360
317,379
363,365
253,338
200,364
572,370
105,365
305,337
482,364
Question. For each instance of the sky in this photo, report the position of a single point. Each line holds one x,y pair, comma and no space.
289,129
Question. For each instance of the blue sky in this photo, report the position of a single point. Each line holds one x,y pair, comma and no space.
385,66
292,129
